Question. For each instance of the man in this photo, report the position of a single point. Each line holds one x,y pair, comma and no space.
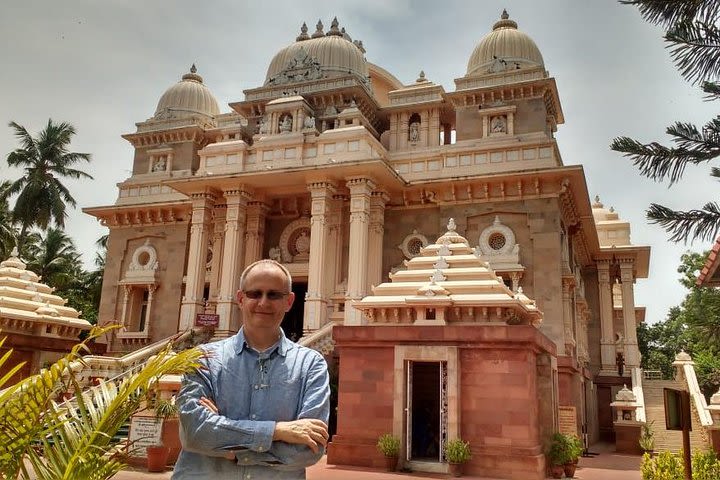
259,407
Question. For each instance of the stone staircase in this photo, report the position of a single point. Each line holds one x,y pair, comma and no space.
670,440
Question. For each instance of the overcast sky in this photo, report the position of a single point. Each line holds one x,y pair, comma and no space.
103,65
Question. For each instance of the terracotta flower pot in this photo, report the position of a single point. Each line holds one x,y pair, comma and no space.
455,469
557,471
569,469
157,458
391,463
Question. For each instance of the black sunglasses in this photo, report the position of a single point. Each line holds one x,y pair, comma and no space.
270,294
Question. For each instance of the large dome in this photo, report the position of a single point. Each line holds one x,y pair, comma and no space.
321,55
505,48
186,98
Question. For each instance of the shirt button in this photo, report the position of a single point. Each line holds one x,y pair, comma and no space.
256,387
253,416
260,449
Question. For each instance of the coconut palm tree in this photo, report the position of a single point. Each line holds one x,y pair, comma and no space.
42,197
54,257
44,438
8,230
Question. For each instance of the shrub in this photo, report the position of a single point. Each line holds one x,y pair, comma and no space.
457,451
388,445
668,466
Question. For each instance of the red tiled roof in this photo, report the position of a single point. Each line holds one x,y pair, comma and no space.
707,275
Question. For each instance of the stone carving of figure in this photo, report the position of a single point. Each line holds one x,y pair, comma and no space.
302,244
275,254
309,122
286,124
263,126
414,134
498,124
159,165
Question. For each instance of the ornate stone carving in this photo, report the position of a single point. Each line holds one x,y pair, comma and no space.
412,244
295,241
300,68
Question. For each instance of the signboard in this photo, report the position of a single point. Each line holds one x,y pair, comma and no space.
207,320
677,409
144,432
568,420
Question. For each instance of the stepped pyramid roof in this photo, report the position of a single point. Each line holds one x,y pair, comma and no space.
30,307
448,282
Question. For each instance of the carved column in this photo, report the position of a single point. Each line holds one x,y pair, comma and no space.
393,131
607,341
568,283
424,128
231,262
316,300
403,131
255,234
378,200
192,302
126,299
632,352
360,192
218,235
333,269
148,312
434,138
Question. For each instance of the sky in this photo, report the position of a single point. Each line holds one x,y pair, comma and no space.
103,65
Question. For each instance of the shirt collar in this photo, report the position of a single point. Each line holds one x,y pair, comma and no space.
282,346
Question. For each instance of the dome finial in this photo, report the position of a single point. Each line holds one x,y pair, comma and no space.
421,78
303,33
504,15
193,68
318,30
193,75
334,28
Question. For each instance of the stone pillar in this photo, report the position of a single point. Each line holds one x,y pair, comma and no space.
607,340
148,312
231,262
315,315
378,200
447,134
255,232
568,283
434,135
360,192
192,301
126,299
216,262
403,128
632,352
333,269
424,128
393,131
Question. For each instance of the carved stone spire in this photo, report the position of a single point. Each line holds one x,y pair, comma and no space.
318,30
303,33
334,28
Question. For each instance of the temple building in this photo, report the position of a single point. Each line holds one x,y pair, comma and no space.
446,260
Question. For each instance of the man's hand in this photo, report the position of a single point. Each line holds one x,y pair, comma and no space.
306,431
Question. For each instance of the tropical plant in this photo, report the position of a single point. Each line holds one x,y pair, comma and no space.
575,447
647,437
54,258
388,445
668,466
457,451
8,230
693,38
45,437
559,451
41,196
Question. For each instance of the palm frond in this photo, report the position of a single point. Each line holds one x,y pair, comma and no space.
695,48
703,224
669,12
76,435
712,91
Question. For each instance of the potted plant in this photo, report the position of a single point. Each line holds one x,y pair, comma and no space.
457,452
575,449
558,454
158,456
647,438
389,446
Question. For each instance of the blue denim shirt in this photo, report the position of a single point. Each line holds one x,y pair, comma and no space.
252,391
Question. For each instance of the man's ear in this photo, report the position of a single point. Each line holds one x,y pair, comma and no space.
239,297
290,300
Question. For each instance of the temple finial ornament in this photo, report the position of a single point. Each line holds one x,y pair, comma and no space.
334,30
421,78
303,33
504,15
318,30
451,226
14,252
193,68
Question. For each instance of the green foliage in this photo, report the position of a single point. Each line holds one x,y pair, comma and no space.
647,437
388,445
457,451
693,39
45,437
560,450
668,466
165,408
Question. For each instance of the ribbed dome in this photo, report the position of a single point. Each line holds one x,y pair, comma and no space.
321,55
186,98
505,48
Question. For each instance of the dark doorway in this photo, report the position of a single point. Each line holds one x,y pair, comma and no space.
292,324
425,442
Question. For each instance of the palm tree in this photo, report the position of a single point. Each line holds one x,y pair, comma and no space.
54,258
43,437
8,230
42,197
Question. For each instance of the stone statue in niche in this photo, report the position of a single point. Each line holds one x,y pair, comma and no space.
286,124
160,165
498,124
275,254
263,126
414,133
309,122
